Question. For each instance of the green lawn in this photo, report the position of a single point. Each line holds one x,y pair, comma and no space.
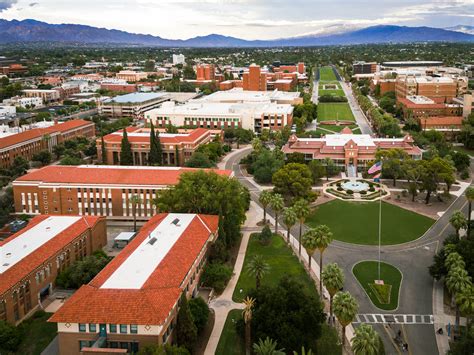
331,111
38,333
322,92
357,222
366,272
281,260
337,129
327,74
230,343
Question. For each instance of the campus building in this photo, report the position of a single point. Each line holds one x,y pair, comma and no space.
422,106
237,96
131,76
177,147
134,300
94,190
254,116
28,143
254,79
47,96
362,67
131,105
440,89
205,72
31,259
347,150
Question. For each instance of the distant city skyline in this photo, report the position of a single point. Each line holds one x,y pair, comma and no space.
248,19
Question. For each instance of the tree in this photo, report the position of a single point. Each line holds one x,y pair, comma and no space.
461,160
10,337
265,235
469,193
135,200
216,275
318,170
465,302
247,315
287,313
290,219
44,157
20,166
308,240
392,162
457,282
156,151
414,170
333,279
59,149
199,160
322,238
277,204
126,155
435,171
186,330
265,198
258,267
345,309
267,347
366,341
103,151
293,180
301,208
149,66
266,164
331,168
458,221
200,312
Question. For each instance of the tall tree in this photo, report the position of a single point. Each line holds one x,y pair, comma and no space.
322,238
135,200
290,219
309,242
333,279
155,157
126,155
458,221
186,330
103,151
265,199
465,302
457,282
293,181
301,208
258,267
277,205
470,198
345,309
366,341
247,315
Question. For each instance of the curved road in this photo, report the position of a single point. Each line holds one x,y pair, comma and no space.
412,258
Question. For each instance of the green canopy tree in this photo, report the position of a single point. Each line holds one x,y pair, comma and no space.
126,155
293,181
345,309
186,330
366,341
333,279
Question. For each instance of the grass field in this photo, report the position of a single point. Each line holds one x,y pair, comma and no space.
366,273
337,129
327,74
281,260
230,343
38,334
360,224
323,92
331,111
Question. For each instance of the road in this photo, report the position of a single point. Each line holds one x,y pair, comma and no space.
412,258
360,117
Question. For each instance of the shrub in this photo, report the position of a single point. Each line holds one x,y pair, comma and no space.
338,184
349,192
340,189
371,188
10,337
363,192
218,252
200,312
265,236
464,174
216,275
82,271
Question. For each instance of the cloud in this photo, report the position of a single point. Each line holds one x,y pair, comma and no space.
6,4
33,4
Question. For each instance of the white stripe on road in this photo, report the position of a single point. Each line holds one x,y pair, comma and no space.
377,318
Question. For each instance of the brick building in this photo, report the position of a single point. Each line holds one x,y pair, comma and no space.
205,72
27,143
128,88
362,67
100,190
422,106
348,150
131,76
254,79
134,300
440,89
48,96
33,257
181,145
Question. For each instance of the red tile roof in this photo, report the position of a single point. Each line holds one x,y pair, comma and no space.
110,175
442,121
193,136
153,302
28,264
40,132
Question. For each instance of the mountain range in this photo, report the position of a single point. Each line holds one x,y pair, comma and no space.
15,31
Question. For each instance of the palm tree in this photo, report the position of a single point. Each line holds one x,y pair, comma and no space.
454,260
258,267
345,309
470,198
458,221
323,237
333,279
465,302
366,341
301,208
310,243
277,205
135,200
290,218
265,198
304,352
247,314
457,282
267,347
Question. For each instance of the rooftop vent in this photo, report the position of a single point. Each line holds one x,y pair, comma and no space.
5,265
152,241
175,222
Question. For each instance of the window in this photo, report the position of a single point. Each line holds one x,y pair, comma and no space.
112,328
82,327
83,344
123,328
92,328
133,329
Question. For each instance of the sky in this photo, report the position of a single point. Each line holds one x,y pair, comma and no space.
248,19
